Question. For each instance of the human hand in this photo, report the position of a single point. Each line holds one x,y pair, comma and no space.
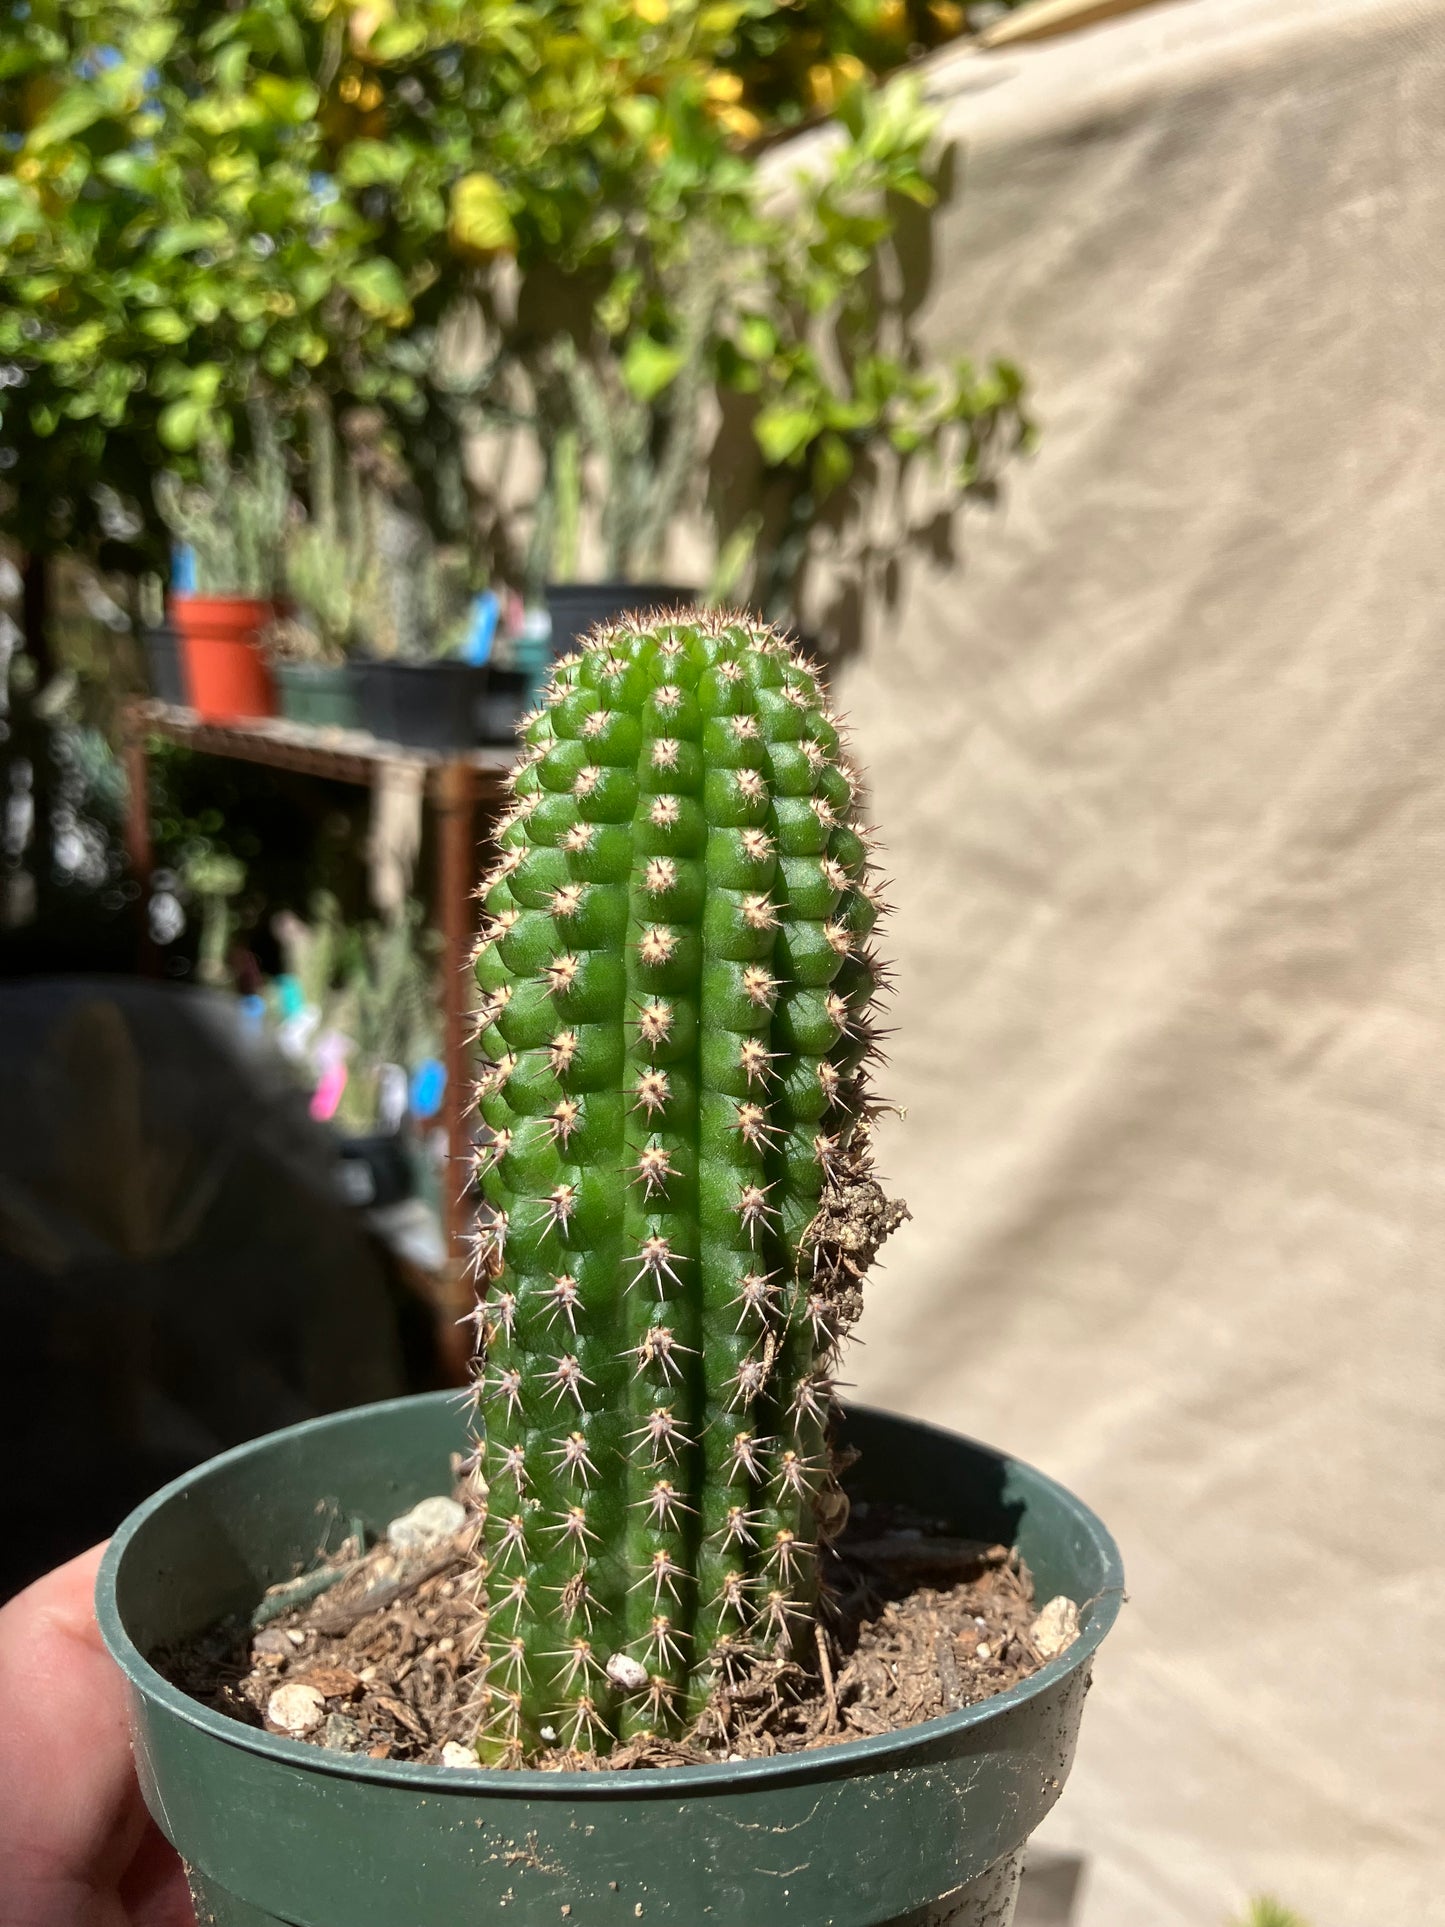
77,1847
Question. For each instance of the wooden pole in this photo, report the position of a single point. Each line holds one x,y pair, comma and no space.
35,623
455,795
140,851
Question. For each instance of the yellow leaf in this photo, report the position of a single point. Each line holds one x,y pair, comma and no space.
724,86
654,12
364,20
739,121
479,223
822,92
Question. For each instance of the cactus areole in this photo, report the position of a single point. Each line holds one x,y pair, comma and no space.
676,975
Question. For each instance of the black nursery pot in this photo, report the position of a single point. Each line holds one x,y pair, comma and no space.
165,665
440,705
577,607
375,1169
920,1828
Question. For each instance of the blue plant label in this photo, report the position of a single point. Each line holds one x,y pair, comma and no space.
429,1081
482,630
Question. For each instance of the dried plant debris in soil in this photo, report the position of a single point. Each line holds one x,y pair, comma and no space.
381,1664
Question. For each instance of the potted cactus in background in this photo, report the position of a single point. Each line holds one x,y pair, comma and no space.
375,588
229,528
645,445
332,578
356,1010
680,1209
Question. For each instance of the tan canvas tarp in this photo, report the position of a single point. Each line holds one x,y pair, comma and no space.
1160,759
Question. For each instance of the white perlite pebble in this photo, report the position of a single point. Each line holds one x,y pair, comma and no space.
426,1525
455,1754
1056,1628
295,1708
624,1671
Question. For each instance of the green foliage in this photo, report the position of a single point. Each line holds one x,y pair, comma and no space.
676,978
194,202
234,518
1266,1912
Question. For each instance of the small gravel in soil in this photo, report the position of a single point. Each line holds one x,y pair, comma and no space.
919,1623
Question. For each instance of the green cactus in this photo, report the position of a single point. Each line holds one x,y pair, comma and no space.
235,519
676,980
214,877
332,556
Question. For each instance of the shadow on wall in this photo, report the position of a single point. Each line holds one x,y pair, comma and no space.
178,1272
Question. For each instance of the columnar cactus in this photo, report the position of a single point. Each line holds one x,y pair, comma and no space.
332,562
233,521
676,977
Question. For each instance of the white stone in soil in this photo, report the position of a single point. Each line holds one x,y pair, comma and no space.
624,1671
295,1708
1056,1628
455,1754
428,1523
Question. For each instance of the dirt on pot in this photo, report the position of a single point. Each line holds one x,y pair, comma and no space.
381,1662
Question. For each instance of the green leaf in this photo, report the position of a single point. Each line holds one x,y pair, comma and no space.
649,366
377,289
163,325
397,39
76,109
783,432
139,172
367,163
832,462
757,336
181,423
186,236
286,100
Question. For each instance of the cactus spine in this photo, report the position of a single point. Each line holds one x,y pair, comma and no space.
675,975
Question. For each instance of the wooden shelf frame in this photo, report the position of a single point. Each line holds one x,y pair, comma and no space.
465,788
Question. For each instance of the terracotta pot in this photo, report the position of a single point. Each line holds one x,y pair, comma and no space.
221,642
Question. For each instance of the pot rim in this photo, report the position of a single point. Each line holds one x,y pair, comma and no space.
591,586
189,598
605,1783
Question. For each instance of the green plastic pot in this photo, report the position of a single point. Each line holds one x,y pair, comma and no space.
320,693
921,1828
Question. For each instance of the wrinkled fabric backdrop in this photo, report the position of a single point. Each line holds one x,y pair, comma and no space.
1159,756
